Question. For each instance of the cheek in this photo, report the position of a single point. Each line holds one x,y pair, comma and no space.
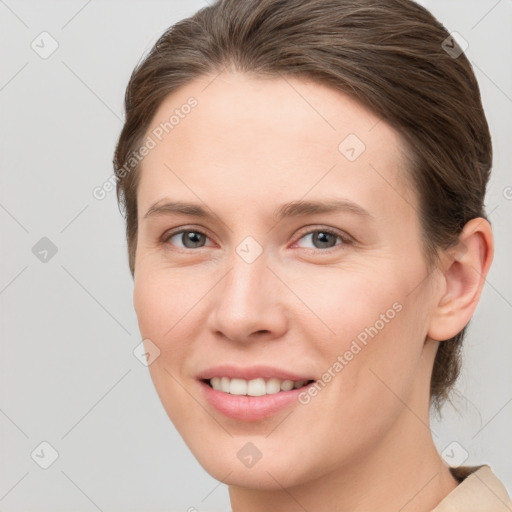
162,318
162,299
150,300
165,316
348,303
170,308
368,330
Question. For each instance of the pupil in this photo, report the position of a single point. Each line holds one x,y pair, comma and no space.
321,237
192,239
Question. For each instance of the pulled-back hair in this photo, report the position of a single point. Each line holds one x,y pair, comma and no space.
392,56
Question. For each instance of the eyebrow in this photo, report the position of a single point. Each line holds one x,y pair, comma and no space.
291,209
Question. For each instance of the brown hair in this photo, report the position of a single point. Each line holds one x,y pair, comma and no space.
393,56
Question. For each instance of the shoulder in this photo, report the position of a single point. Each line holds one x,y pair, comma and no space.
479,490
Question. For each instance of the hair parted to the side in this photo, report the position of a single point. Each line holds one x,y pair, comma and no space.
388,55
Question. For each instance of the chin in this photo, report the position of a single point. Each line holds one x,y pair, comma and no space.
264,475
252,461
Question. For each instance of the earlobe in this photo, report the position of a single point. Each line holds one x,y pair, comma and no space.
465,268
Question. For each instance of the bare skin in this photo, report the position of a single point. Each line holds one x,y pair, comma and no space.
249,146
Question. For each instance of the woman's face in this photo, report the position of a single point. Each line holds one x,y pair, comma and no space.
295,256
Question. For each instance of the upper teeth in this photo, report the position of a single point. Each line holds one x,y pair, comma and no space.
255,387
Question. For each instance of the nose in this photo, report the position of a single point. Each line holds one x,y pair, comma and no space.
248,303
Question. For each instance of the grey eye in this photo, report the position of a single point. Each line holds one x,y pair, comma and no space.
189,239
321,239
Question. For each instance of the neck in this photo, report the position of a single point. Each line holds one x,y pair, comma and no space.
405,473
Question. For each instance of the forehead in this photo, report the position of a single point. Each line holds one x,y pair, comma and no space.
258,136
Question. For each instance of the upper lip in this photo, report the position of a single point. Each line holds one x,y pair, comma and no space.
250,372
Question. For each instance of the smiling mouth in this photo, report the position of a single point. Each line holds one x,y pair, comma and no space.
254,387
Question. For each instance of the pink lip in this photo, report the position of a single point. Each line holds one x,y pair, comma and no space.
250,372
250,408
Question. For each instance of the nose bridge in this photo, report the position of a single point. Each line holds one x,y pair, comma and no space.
246,300
245,285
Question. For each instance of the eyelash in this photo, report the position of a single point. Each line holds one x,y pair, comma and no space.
345,239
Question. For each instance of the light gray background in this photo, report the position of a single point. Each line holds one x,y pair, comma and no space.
68,373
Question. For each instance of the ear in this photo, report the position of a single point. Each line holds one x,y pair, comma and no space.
464,270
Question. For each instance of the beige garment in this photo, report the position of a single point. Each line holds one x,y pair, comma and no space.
479,490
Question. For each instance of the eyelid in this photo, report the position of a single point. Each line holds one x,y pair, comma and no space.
172,232
345,237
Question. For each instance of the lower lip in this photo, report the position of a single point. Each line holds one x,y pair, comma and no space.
250,408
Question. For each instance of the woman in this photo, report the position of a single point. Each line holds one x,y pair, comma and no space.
303,184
